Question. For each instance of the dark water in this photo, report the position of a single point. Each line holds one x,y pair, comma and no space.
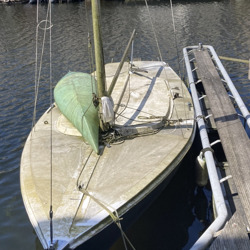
182,212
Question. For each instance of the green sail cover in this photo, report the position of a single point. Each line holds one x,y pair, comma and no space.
73,96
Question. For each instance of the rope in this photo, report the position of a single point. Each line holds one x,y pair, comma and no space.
114,215
116,137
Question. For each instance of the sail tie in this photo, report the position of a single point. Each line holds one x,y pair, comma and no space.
114,215
108,115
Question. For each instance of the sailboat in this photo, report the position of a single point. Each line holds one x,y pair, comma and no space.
105,149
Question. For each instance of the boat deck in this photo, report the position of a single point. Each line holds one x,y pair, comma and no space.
236,146
88,188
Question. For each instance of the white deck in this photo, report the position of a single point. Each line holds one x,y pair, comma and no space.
123,174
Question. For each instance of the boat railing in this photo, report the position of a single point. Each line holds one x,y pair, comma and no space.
220,204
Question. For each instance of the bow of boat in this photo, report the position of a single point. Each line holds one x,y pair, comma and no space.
153,131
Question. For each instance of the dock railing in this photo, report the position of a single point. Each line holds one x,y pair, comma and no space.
193,73
227,79
219,201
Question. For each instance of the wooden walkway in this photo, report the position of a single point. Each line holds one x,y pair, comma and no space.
236,145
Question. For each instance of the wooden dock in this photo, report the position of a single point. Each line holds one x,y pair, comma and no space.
236,146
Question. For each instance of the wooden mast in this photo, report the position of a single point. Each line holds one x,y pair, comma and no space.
99,58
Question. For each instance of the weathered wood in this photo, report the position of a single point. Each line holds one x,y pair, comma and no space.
99,57
235,144
234,235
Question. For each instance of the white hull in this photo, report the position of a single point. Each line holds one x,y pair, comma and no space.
123,174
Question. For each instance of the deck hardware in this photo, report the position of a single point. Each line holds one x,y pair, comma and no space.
191,60
200,46
215,142
51,247
204,150
208,116
222,165
226,178
50,108
199,117
203,96
175,95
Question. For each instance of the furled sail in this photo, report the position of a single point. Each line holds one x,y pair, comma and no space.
74,97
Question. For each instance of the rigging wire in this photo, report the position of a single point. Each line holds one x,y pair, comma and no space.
91,58
38,67
153,29
175,36
177,53
129,95
166,81
45,25
51,121
90,48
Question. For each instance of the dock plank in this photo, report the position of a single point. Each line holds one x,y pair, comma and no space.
234,235
236,146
